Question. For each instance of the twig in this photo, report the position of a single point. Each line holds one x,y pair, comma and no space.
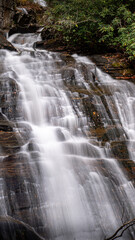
125,226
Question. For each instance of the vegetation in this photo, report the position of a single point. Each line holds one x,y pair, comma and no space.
94,24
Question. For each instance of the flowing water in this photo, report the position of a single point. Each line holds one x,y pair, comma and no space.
83,193
41,2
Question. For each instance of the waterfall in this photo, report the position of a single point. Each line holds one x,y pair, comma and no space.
41,2
74,186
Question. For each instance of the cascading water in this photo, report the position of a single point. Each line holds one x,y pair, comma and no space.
41,2
81,190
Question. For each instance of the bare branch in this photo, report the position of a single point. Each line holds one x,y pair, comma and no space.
122,228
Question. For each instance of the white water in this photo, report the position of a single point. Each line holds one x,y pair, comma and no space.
41,2
80,201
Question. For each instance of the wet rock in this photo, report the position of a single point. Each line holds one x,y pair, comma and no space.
13,135
23,191
60,135
9,85
18,166
25,20
68,59
25,130
11,228
57,44
38,44
5,44
113,133
51,45
19,29
32,146
68,75
88,71
119,150
9,98
14,138
92,113
5,124
15,170
129,165
109,134
116,65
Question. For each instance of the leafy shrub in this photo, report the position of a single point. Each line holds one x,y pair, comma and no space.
94,23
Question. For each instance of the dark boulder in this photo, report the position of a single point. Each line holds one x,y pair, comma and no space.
47,33
25,20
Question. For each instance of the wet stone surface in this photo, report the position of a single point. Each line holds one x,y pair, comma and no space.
9,97
93,102
116,65
11,228
4,44
21,189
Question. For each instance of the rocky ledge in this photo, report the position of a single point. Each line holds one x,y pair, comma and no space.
116,65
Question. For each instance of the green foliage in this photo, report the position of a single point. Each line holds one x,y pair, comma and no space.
121,31
103,23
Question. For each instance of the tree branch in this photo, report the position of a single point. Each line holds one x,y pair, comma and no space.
124,227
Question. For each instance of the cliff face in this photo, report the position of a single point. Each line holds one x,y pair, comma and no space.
6,13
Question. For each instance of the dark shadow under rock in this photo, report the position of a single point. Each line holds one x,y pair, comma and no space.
25,20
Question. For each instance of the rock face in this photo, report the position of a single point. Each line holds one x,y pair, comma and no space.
17,20
4,44
6,13
12,229
115,65
6,20
24,21
94,103
15,167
